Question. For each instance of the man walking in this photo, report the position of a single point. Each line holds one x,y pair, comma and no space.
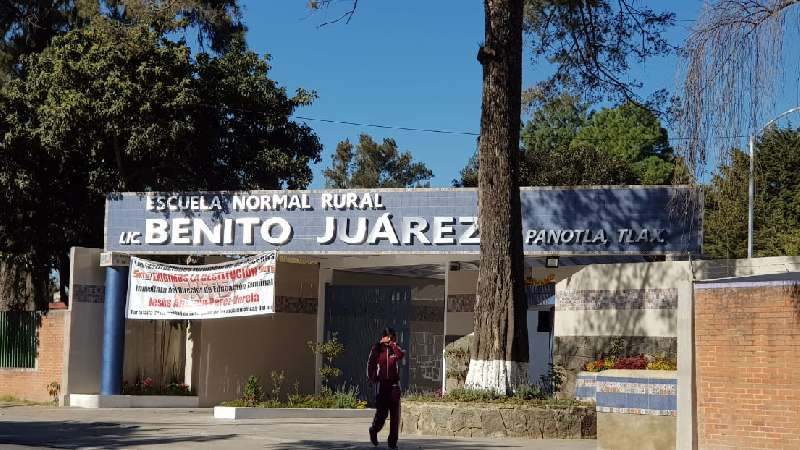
382,369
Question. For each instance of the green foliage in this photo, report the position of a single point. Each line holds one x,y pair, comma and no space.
777,200
345,398
617,347
632,134
555,124
580,164
529,393
524,396
329,350
28,27
277,384
253,392
551,382
121,108
565,145
777,206
146,386
374,165
469,174
725,221
473,395
662,364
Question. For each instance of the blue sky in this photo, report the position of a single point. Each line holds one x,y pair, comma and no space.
405,63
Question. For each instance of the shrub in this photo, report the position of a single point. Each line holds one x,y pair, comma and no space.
471,395
633,362
600,365
551,382
277,384
662,364
253,393
146,386
329,350
348,398
524,395
529,393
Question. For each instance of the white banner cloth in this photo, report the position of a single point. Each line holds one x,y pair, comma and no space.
244,287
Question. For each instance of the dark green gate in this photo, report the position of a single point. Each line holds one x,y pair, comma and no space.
356,315
18,331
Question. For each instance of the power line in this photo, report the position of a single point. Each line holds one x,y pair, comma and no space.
388,127
430,130
465,133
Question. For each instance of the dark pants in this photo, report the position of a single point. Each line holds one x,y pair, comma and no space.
387,402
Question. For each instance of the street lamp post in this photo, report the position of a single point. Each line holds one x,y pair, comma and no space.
751,184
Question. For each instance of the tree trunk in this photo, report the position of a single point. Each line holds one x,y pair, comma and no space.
499,357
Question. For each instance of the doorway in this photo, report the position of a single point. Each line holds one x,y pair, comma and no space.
356,315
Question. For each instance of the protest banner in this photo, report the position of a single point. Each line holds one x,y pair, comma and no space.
243,287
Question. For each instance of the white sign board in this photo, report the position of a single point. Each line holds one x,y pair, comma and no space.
244,287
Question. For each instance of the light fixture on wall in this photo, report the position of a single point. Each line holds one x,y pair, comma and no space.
551,262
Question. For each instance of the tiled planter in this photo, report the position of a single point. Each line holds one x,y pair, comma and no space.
636,409
586,386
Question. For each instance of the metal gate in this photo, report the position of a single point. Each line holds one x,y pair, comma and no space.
356,315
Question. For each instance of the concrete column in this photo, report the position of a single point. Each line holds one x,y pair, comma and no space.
188,353
687,397
325,279
444,330
116,290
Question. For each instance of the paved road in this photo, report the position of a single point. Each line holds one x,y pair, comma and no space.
23,427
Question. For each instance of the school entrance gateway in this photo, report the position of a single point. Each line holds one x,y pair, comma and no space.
311,265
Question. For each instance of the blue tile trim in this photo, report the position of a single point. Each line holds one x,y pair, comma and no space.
585,392
613,379
640,401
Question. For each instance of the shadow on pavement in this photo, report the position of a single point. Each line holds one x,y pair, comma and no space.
404,444
69,435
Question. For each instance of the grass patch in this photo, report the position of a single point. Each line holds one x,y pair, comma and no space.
347,399
523,397
22,402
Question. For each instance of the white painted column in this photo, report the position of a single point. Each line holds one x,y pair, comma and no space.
444,331
325,278
188,350
685,423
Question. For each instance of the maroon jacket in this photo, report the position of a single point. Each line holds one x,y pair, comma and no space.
382,363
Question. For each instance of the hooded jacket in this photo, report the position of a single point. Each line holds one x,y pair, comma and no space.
382,364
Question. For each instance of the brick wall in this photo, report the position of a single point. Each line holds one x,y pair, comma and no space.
31,384
747,338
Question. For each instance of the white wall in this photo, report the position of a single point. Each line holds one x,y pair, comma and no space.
620,321
676,322
461,282
83,343
225,352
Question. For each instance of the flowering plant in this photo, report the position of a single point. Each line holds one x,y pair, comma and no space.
600,365
662,364
631,362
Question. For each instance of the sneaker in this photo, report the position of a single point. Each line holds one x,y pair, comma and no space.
373,437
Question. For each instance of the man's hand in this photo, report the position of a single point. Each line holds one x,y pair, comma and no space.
385,340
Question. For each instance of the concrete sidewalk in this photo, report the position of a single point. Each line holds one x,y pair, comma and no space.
23,427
